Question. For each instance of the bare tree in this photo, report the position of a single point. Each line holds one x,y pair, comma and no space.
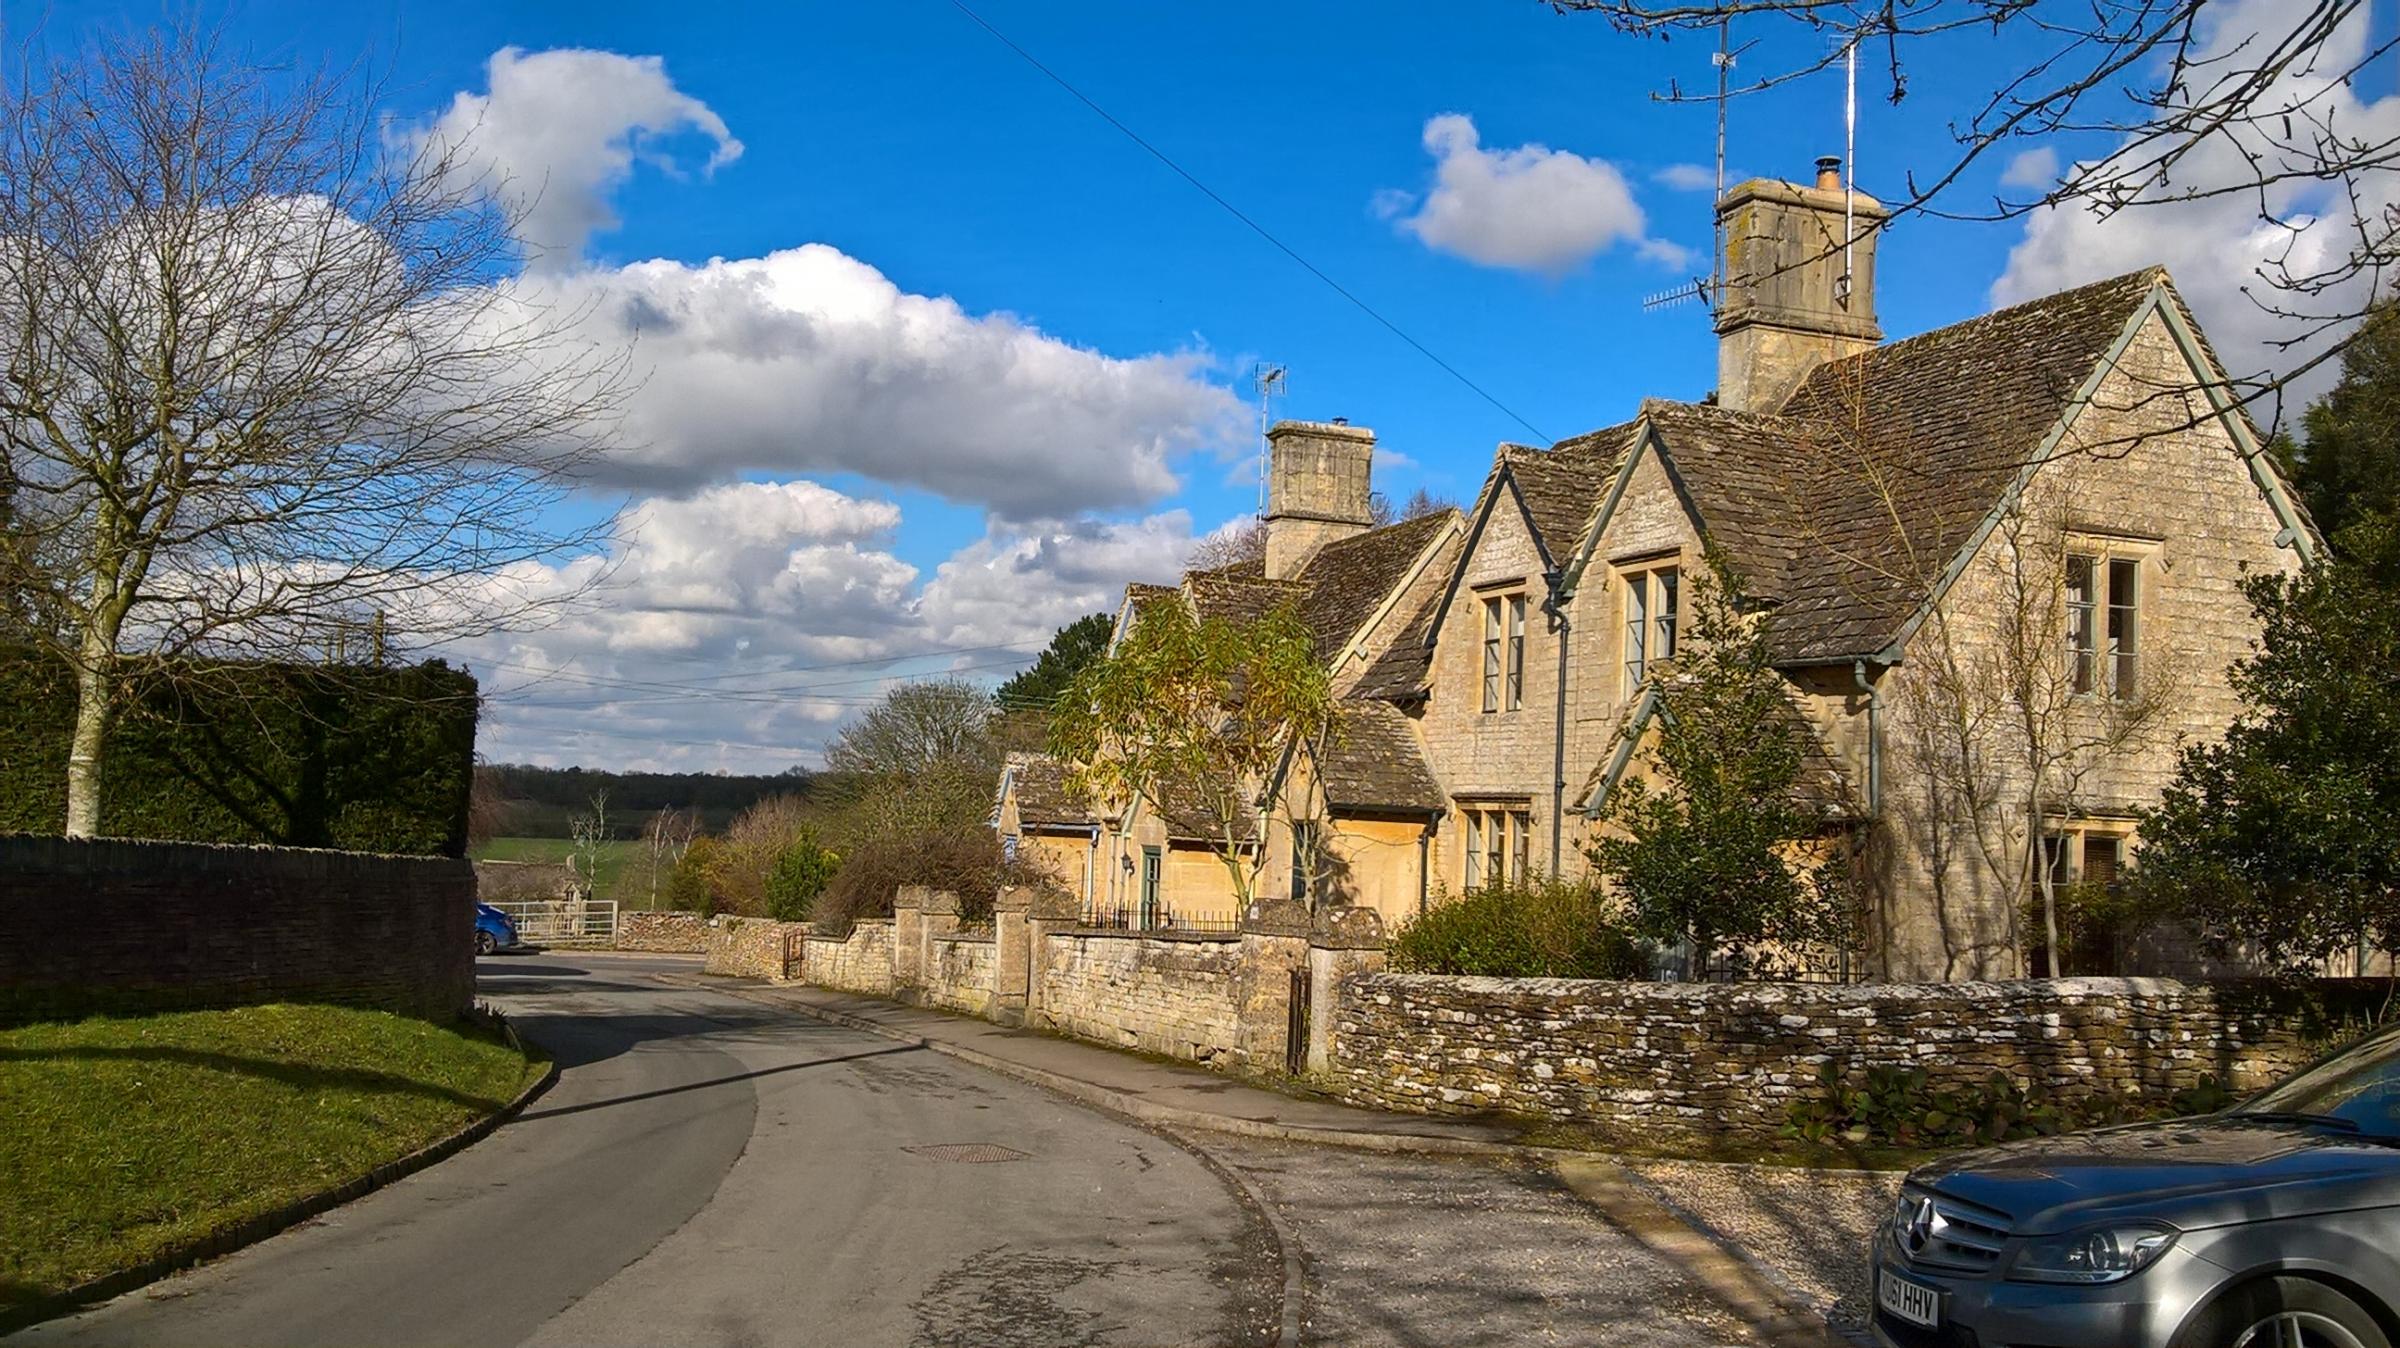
591,833
262,379
2251,109
665,839
1237,544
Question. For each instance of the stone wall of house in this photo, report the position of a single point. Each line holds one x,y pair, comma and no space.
1731,1058
1178,996
113,925
861,962
958,975
2201,525
748,947
665,933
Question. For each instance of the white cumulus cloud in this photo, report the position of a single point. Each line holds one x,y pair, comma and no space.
558,131
2035,169
1686,177
1530,208
808,360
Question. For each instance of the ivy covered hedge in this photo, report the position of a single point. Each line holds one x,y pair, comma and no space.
361,758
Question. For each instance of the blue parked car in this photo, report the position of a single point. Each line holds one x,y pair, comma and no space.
493,930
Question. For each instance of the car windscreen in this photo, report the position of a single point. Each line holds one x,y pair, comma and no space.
2360,1086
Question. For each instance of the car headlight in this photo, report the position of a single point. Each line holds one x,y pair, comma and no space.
2095,1254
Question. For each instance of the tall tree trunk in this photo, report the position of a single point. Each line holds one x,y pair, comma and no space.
95,696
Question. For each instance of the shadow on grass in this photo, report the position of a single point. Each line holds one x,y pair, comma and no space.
269,1069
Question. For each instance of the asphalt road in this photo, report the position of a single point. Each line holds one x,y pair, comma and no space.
711,1171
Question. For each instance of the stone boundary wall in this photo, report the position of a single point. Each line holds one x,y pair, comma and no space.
1177,996
959,975
89,925
747,947
862,962
1732,1057
663,933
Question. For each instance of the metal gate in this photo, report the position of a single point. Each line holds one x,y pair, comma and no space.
1295,1029
795,955
587,922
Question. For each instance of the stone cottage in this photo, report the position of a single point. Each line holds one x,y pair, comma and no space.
1998,564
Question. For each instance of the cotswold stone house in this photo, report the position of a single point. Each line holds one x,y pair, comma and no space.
1998,564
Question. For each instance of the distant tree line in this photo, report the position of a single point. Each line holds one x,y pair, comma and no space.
537,802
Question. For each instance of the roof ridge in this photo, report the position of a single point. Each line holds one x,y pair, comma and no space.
2151,275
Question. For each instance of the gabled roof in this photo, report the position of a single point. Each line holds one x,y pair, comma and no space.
1400,673
1736,472
1190,818
1372,762
1043,796
1349,579
1239,598
1561,486
1917,442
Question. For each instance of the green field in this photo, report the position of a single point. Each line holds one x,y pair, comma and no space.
624,864
124,1138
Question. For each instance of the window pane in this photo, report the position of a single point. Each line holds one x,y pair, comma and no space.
1669,600
2101,855
1474,850
1637,629
2054,859
2124,625
1495,847
2081,647
1491,655
1516,652
1522,824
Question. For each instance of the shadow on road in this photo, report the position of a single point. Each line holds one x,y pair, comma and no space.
533,1114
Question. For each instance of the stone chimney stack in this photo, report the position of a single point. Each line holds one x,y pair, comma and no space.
1317,475
1789,304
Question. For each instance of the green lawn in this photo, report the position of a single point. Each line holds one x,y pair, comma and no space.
624,864
121,1139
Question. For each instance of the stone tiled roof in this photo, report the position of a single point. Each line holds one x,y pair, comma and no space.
1189,818
1042,794
1915,443
1372,762
1240,599
1563,485
1348,580
1739,471
1400,673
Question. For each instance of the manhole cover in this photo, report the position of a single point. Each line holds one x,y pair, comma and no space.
971,1153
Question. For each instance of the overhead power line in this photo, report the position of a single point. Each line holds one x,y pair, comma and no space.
1256,228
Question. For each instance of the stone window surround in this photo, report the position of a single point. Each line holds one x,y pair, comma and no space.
1643,571
1502,604
2071,836
2102,548
1495,830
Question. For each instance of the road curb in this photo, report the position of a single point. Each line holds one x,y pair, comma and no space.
254,1229
1731,1275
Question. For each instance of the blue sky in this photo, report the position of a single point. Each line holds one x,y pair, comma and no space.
904,138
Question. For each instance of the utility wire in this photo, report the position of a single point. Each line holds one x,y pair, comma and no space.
1236,212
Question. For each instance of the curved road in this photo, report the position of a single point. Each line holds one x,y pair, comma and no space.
711,1171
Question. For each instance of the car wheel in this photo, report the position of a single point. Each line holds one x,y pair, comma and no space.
485,944
2286,1313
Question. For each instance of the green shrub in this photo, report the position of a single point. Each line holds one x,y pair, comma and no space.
357,757
692,887
1540,929
798,876
967,862
1899,1106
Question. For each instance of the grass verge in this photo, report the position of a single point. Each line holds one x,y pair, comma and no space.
122,1139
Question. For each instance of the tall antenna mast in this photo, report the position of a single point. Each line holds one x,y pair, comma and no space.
1723,61
1841,290
1709,289
1272,381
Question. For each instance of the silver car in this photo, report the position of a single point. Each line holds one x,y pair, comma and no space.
2275,1224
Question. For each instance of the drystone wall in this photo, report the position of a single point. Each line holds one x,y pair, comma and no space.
1732,1057
748,947
663,933
1177,996
860,963
959,974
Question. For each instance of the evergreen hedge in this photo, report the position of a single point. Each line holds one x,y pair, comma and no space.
357,757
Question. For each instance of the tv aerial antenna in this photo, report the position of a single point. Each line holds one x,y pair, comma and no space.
1272,382
1710,288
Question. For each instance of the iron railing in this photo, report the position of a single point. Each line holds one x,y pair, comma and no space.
1162,917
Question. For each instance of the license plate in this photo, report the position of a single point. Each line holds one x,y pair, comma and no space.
1913,1302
